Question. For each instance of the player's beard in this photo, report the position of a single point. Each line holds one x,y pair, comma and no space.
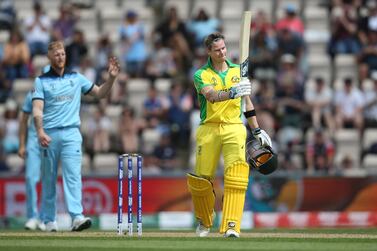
59,65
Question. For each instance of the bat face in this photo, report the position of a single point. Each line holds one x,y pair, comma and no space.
244,44
244,48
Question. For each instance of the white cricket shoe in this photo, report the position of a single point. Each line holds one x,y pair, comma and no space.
231,233
80,224
41,226
32,224
51,226
201,230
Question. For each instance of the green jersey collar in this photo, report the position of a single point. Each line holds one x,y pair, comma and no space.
228,62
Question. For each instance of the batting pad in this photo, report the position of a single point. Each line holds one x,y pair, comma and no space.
236,178
203,198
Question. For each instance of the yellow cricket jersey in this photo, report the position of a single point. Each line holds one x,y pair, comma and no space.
228,111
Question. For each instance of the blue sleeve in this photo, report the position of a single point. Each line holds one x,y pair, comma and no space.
27,106
86,85
38,92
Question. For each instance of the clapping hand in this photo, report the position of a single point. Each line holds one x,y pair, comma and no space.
114,67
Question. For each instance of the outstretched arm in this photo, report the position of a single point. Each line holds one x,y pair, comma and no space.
102,91
241,89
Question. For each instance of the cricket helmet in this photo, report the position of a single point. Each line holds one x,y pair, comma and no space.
261,158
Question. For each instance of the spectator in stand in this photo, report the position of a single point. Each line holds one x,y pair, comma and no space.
5,84
288,160
320,152
344,29
153,109
86,68
38,28
16,56
368,23
260,22
265,103
104,51
3,164
367,58
134,52
348,106
291,21
161,63
179,108
199,60
119,91
370,106
291,106
99,128
166,154
319,99
10,127
289,75
129,129
173,26
76,50
7,15
263,51
150,165
290,43
203,25
174,35
64,26
265,97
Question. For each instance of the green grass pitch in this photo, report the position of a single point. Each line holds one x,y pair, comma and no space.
279,240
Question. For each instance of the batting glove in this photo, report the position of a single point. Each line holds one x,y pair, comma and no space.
243,88
262,136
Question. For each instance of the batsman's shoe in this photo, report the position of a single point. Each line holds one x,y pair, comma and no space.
231,233
202,231
32,224
80,224
51,226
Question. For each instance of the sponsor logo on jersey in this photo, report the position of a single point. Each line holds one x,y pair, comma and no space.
64,98
235,79
213,81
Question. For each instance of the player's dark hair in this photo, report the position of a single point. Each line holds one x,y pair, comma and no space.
213,37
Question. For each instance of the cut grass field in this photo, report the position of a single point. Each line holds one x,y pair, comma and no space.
279,240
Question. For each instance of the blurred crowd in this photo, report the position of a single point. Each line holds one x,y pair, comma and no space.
301,112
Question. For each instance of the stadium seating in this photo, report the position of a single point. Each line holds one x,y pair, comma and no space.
105,163
347,143
370,164
14,162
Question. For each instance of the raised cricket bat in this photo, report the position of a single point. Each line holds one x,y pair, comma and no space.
244,48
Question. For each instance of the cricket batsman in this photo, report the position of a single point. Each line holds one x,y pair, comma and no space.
219,90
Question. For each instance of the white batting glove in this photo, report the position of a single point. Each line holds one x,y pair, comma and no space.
243,88
262,136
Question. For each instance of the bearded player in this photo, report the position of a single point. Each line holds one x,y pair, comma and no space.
221,129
